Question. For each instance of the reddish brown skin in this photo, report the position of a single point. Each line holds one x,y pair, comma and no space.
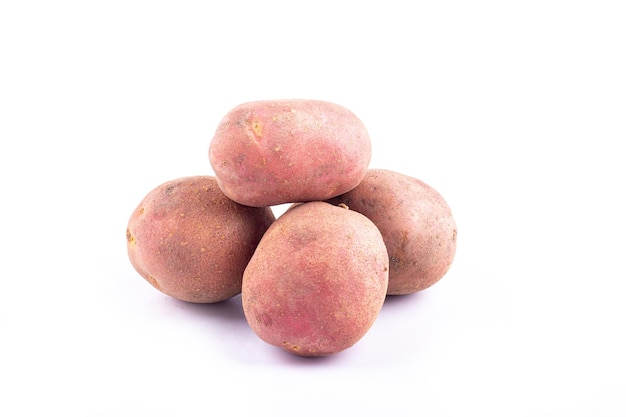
191,242
266,153
416,224
317,280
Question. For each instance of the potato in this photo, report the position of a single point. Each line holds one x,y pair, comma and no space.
266,153
317,281
416,224
191,242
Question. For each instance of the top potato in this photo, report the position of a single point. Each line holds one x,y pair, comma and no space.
272,152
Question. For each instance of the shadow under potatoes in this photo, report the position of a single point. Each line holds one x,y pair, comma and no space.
229,311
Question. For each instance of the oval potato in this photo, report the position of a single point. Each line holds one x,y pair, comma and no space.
271,152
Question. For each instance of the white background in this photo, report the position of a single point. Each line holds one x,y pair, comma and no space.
513,111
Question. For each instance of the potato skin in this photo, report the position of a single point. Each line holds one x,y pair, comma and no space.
272,152
191,242
317,280
416,224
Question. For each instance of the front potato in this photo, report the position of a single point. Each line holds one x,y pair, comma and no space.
267,153
317,280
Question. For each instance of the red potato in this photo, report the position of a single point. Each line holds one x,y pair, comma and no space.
191,242
317,281
416,223
266,153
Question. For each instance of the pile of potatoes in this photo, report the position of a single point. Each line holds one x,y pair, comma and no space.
313,280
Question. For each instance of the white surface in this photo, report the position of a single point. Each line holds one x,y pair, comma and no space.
513,111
